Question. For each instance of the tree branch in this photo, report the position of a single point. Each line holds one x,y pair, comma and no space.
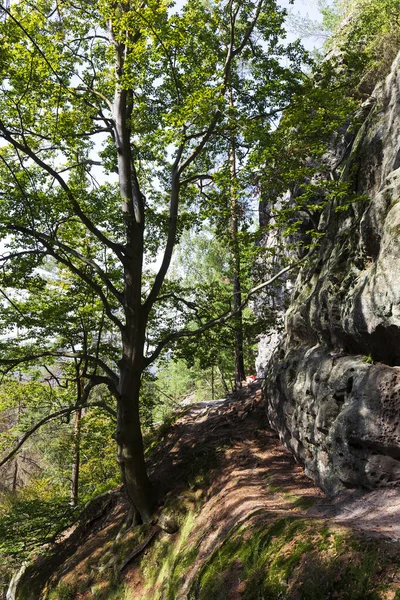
5,258
198,177
222,318
49,243
55,415
14,362
249,30
172,227
116,248
225,78
32,40
15,307
96,93
202,142
190,305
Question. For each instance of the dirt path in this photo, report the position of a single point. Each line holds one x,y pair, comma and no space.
255,476
222,460
257,472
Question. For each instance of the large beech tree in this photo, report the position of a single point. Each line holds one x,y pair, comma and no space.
112,120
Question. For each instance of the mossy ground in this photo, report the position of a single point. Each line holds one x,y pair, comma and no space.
165,566
290,559
244,533
296,559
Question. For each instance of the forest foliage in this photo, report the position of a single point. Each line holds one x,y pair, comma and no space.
66,224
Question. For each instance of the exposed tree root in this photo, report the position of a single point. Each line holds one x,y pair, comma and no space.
139,549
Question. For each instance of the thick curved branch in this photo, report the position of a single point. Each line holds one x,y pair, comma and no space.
169,247
203,141
116,248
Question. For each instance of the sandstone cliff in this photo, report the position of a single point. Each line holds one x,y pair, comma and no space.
332,386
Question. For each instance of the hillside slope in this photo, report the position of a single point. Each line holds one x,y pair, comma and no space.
240,520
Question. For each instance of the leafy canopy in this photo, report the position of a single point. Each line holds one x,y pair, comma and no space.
60,204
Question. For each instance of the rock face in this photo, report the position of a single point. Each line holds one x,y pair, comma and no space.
332,386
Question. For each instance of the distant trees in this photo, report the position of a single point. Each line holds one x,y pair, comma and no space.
203,265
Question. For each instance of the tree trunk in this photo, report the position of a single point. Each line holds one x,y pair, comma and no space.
237,296
76,459
226,388
129,435
15,476
240,374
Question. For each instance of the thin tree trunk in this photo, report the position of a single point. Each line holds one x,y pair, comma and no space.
240,374
76,459
15,476
212,384
226,388
237,296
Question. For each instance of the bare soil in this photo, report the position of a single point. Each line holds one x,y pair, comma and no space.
257,476
224,459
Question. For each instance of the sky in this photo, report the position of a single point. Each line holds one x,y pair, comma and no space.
305,8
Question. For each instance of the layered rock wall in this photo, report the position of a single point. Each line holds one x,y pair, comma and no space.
332,386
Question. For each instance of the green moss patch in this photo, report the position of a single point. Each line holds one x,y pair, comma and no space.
296,559
165,566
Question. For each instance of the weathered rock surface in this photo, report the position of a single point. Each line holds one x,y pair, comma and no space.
339,416
333,384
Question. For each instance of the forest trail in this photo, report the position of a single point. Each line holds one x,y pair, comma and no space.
259,473
254,476
248,523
